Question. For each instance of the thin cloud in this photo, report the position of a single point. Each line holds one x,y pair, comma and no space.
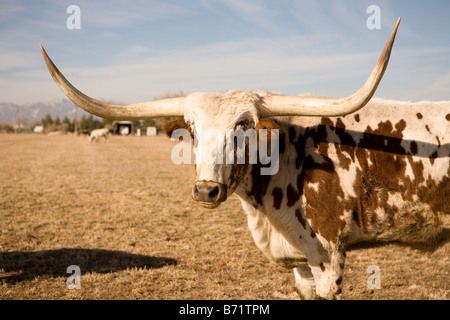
141,73
255,12
437,88
15,59
126,13
293,47
251,64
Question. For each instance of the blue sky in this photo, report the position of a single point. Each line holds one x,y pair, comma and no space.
132,51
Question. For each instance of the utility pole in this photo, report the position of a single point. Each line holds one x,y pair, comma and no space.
75,122
17,121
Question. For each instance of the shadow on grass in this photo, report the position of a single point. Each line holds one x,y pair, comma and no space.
54,263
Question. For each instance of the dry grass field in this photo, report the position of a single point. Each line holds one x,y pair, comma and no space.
122,212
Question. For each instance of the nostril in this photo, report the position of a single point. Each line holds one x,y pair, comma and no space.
196,192
209,193
214,193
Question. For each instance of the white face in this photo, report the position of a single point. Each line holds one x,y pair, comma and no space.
211,117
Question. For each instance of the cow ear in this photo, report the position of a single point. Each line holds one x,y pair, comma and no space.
269,125
170,127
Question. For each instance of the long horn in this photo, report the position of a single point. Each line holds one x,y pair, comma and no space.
137,111
330,107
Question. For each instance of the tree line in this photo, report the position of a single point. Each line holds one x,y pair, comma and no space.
90,123
66,125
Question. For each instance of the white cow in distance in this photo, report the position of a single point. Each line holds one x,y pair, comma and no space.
98,133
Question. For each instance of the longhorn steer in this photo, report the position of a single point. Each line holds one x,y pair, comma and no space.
347,174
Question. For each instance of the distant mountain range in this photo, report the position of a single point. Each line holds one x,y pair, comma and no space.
33,113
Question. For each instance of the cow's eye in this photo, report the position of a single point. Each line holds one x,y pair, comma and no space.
191,131
242,124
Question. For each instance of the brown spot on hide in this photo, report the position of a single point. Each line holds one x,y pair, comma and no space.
322,267
300,148
260,183
277,194
400,126
237,172
292,195
357,118
325,121
292,134
419,115
344,148
381,168
413,147
268,125
323,207
437,195
300,218
439,141
433,157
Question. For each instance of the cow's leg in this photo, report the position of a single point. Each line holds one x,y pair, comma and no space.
304,283
328,272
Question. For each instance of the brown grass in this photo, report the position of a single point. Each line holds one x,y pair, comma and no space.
122,212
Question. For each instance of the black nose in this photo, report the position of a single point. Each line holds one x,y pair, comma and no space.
209,192
206,193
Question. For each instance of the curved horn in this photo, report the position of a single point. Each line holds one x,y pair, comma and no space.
331,107
137,111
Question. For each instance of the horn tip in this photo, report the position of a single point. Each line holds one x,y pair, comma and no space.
397,23
394,30
44,53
